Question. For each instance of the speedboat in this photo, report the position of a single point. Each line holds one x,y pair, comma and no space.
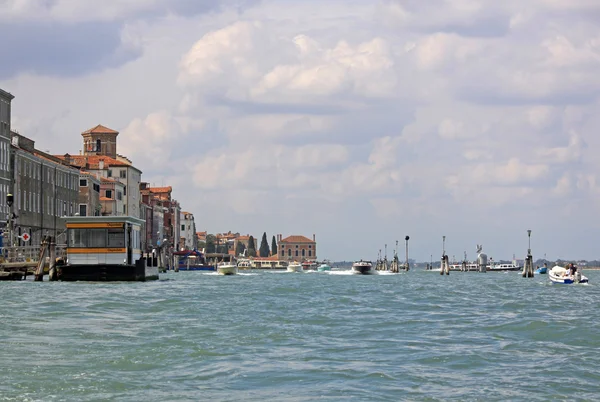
563,276
362,267
294,267
542,270
227,268
323,267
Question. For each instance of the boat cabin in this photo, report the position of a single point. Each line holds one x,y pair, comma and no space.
113,240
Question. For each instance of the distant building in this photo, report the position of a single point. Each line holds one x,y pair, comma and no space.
89,195
5,139
100,156
165,209
112,199
296,247
188,240
45,188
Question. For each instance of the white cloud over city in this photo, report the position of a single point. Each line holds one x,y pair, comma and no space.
359,121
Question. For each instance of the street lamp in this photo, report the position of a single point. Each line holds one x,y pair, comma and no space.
406,238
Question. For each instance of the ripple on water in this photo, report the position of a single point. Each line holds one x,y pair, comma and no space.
294,337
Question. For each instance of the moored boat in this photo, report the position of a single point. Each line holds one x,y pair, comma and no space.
105,248
227,268
566,276
294,267
362,267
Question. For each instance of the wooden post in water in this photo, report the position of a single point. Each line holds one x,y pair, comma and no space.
528,266
444,266
52,274
39,271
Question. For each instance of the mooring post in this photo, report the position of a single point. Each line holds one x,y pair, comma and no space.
39,271
444,266
52,274
528,266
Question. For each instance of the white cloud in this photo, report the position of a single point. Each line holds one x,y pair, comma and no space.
332,114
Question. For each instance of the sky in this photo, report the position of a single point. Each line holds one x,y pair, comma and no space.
361,122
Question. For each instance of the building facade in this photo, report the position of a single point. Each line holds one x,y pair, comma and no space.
89,195
188,241
45,189
296,248
5,140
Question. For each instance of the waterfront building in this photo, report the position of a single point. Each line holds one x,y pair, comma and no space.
296,247
188,232
89,195
245,239
112,197
45,189
171,211
5,139
100,156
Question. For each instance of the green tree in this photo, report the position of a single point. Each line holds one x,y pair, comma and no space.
273,246
211,241
239,248
264,251
251,247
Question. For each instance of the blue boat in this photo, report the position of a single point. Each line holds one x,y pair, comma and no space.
192,260
542,270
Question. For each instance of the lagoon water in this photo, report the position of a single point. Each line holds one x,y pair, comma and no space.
331,336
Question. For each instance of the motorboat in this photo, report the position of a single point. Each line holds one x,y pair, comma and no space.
294,267
502,267
542,270
362,267
564,276
244,263
323,267
227,268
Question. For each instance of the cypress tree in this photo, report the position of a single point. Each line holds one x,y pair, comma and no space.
273,246
239,248
251,247
263,251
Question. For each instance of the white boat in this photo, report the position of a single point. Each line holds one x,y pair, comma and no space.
294,267
324,267
563,276
513,266
362,267
244,263
227,268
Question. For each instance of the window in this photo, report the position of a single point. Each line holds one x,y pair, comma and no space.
87,237
82,182
96,187
119,195
108,193
109,173
116,238
82,210
310,246
289,252
303,252
182,227
123,174
296,253
98,145
310,253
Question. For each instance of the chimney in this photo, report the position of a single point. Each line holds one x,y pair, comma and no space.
314,238
101,165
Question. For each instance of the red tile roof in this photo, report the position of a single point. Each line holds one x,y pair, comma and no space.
93,161
297,239
160,189
100,129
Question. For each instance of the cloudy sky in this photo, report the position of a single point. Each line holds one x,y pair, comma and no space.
361,121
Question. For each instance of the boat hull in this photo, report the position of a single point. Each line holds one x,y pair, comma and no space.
559,275
323,268
106,272
362,270
227,270
541,271
294,268
198,268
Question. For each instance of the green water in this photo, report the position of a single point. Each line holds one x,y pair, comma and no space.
327,336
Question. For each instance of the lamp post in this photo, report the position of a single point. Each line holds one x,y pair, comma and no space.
406,239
